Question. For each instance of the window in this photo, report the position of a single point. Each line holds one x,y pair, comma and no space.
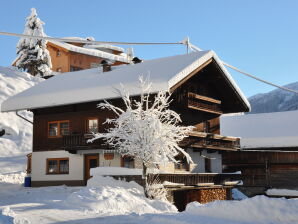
92,125
58,53
108,156
207,165
74,68
58,128
128,162
58,166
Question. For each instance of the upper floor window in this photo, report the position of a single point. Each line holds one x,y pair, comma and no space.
58,166
58,128
92,125
58,53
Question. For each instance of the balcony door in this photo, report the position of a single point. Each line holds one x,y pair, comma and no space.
91,161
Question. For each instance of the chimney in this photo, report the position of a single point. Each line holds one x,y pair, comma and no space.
106,67
136,60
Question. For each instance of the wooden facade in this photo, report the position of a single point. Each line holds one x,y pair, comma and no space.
263,169
64,60
205,86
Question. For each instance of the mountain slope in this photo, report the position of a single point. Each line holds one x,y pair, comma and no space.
275,101
17,141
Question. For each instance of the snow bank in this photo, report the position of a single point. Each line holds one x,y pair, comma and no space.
114,171
259,209
107,196
282,192
17,141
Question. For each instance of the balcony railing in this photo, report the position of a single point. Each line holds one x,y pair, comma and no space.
75,142
204,103
211,141
187,179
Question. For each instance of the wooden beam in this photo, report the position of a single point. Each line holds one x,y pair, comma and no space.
173,88
215,136
214,147
205,110
205,98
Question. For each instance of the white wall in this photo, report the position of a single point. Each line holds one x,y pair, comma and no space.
76,166
199,161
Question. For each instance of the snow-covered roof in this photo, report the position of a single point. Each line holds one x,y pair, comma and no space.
92,85
104,46
265,130
92,52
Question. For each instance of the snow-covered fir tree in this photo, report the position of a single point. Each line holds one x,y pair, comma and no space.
145,129
33,56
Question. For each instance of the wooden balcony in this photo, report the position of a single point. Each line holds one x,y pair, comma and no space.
75,142
197,180
211,141
203,103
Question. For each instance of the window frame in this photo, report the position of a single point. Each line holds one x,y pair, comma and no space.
87,124
58,127
130,157
58,164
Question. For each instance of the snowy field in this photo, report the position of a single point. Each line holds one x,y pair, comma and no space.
104,200
110,201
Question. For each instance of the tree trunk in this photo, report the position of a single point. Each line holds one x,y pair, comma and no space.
145,180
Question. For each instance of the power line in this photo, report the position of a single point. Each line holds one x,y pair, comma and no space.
185,42
261,80
87,41
195,48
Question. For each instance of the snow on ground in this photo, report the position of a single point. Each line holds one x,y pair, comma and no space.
110,201
17,141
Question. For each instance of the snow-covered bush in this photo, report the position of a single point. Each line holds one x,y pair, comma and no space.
33,55
145,129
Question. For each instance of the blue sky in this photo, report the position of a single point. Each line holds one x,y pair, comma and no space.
257,36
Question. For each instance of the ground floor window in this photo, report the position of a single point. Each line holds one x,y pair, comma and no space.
182,163
58,166
128,162
207,165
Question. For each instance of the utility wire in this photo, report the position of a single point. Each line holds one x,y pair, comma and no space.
184,42
85,41
256,78
195,48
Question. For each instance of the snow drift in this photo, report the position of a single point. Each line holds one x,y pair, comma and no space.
107,196
259,209
17,141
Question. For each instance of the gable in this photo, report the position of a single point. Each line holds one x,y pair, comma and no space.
93,85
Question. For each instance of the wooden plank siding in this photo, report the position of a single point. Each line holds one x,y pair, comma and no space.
264,169
206,84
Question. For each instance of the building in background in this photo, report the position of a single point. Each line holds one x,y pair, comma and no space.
269,150
71,56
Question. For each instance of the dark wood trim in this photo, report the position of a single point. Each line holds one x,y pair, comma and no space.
57,183
58,160
191,75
